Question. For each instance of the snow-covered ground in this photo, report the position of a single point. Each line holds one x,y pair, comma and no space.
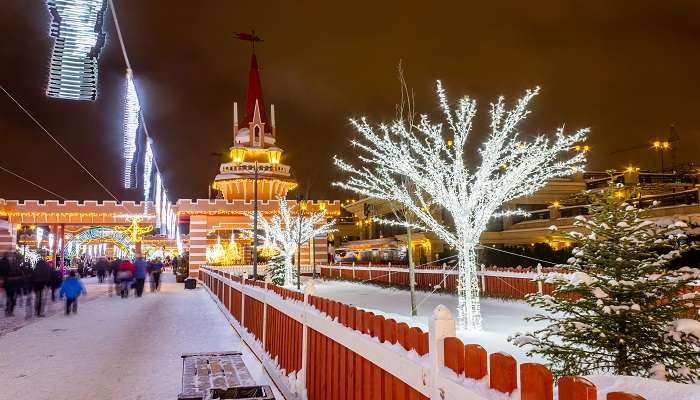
501,318
117,348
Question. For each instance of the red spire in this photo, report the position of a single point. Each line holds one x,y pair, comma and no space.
254,93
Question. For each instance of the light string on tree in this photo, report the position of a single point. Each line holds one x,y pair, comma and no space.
76,26
416,165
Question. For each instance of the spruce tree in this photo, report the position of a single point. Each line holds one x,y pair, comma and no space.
622,310
275,268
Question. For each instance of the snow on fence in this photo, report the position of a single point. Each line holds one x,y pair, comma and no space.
317,349
512,283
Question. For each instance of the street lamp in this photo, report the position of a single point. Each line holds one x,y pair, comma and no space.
661,147
302,208
238,155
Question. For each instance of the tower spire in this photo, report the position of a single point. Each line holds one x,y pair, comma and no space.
255,94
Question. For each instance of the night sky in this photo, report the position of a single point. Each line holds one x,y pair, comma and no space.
625,69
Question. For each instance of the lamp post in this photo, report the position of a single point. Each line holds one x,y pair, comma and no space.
661,147
302,206
238,155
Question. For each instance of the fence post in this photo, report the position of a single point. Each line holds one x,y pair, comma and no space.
483,278
539,281
441,325
389,272
309,290
264,326
353,270
243,278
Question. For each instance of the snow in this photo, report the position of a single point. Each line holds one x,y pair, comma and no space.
650,389
501,318
687,326
117,348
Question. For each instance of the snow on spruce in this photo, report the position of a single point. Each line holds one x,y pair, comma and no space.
623,310
418,166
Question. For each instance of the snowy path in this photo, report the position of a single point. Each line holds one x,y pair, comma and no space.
117,348
501,318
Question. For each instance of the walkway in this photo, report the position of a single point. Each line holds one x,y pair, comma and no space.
117,348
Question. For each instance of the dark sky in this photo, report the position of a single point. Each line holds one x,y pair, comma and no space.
625,69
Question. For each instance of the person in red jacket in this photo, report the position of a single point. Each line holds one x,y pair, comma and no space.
125,274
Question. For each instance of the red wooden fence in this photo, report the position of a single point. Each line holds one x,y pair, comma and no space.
337,371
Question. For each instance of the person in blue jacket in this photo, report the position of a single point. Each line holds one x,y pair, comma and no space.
72,288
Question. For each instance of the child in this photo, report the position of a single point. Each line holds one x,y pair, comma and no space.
72,288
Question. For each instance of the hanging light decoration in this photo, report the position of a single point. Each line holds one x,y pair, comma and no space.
39,236
51,240
131,126
76,26
147,169
159,187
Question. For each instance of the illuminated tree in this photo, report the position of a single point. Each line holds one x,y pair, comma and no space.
419,166
289,231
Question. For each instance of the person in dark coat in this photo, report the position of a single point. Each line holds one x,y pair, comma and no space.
40,278
140,273
56,281
13,287
71,289
155,268
102,266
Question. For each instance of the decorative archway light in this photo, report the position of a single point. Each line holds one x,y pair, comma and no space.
84,239
76,26
131,125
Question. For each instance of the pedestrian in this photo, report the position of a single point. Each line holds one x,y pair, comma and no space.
13,287
102,267
71,289
56,281
125,276
155,268
40,279
141,270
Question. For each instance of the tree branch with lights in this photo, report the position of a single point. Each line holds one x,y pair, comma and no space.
417,166
289,230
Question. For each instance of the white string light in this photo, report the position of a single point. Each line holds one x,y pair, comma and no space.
285,230
131,125
418,168
76,26
159,188
147,169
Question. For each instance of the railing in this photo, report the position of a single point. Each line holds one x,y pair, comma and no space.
511,283
317,349
262,269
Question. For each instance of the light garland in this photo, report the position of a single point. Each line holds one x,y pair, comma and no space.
147,171
159,187
76,26
131,125
285,230
415,166
39,236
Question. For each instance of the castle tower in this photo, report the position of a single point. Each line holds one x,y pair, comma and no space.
254,147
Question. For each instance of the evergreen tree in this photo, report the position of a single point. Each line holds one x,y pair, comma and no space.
276,268
622,310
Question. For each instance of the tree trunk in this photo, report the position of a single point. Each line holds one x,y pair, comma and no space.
289,269
411,273
468,308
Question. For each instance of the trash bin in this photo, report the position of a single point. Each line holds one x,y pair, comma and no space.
190,283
